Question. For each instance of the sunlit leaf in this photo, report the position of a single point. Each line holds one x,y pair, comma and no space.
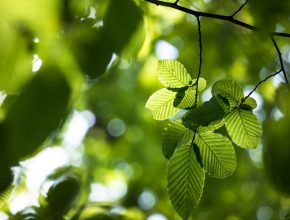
185,180
160,104
189,96
249,104
229,90
244,128
172,74
218,154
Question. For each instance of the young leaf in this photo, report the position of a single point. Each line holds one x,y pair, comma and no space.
203,115
187,99
229,90
249,104
185,180
218,154
160,104
172,74
244,128
171,137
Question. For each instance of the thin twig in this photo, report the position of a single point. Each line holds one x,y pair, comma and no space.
176,2
253,90
240,8
213,16
200,58
280,59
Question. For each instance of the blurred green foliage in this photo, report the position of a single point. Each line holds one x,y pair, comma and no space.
99,61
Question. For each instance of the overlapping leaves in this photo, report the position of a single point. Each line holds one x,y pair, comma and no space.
180,91
194,145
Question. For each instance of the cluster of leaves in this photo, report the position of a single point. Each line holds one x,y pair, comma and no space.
202,140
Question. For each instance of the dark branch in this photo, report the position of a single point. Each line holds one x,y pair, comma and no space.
200,58
240,8
213,16
281,61
264,80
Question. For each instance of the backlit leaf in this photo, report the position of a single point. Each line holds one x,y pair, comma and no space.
185,180
172,74
160,104
244,128
218,154
229,90
249,104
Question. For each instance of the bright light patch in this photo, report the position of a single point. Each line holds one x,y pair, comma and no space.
36,63
3,95
36,40
78,127
256,155
92,13
40,166
99,24
206,95
165,50
264,213
277,80
116,127
147,200
156,216
277,114
3,216
114,191
22,201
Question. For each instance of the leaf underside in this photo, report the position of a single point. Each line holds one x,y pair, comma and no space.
218,154
185,180
244,128
161,104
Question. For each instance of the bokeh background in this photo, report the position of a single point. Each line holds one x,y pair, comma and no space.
74,80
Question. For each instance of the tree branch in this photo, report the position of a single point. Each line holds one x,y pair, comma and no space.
264,80
280,59
200,58
213,16
240,8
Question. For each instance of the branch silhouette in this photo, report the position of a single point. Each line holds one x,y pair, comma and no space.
240,8
227,18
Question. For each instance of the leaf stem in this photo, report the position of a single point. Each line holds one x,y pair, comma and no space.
200,58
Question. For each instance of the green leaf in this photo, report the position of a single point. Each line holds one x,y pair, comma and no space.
243,128
249,104
172,74
229,90
187,98
33,116
160,104
208,113
172,136
185,180
218,154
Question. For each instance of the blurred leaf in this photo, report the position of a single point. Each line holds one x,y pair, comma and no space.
33,116
94,47
276,153
229,90
244,128
160,104
185,180
63,193
218,154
